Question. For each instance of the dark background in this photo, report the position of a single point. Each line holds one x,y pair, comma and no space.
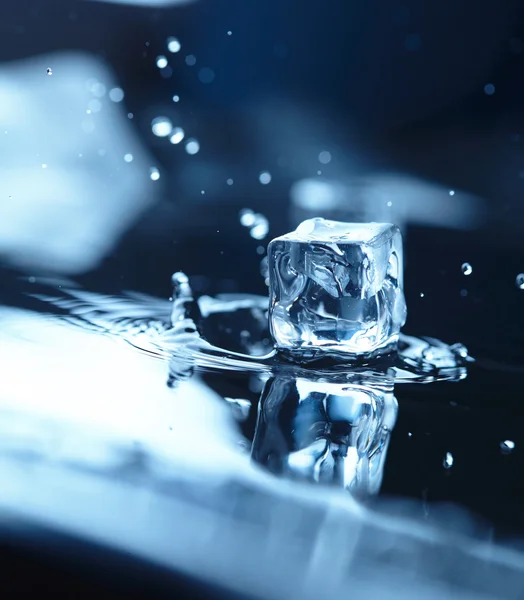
385,87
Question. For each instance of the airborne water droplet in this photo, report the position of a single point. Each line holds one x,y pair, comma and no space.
264,178
177,135
520,281
161,126
154,174
467,269
173,45
192,146
507,446
49,71
161,62
448,461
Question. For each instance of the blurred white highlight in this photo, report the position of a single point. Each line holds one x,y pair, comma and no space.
69,214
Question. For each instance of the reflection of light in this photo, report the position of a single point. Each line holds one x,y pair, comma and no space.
192,146
161,62
177,135
161,126
116,94
173,45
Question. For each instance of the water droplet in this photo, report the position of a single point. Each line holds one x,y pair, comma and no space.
520,281
130,115
489,89
177,135
94,105
10,197
192,146
260,250
44,166
116,94
190,60
161,62
154,173
507,446
32,279
161,126
229,33
467,269
422,294
206,75
128,158
409,434
98,89
202,191
324,157
229,181
451,192
257,223
49,71
448,461
173,45
264,178
176,98
390,203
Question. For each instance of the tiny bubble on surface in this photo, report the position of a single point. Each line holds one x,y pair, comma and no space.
264,178
229,181
161,61
192,146
176,98
489,89
161,126
173,45
177,135
467,269
116,94
520,281
49,71
190,60
448,460
128,158
507,446
451,192
154,174
324,157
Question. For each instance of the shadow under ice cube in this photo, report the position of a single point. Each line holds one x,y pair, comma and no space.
336,288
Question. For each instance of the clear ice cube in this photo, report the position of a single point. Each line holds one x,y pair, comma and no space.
336,288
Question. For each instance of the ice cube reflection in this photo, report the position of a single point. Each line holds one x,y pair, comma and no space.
327,431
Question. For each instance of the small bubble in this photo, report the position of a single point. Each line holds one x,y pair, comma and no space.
260,249
409,434
130,115
459,349
192,146
10,197
520,281
98,89
324,157
177,135
319,172
173,45
206,75
264,178
176,98
190,60
489,89
128,158
412,42
161,62
161,126
229,181
229,33
44,166
202,191
390,203
32,279
247,217
467,269
507,446
451,192
116,94
49,71
154,173
422,294
448,461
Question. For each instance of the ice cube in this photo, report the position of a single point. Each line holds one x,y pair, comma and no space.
336,288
